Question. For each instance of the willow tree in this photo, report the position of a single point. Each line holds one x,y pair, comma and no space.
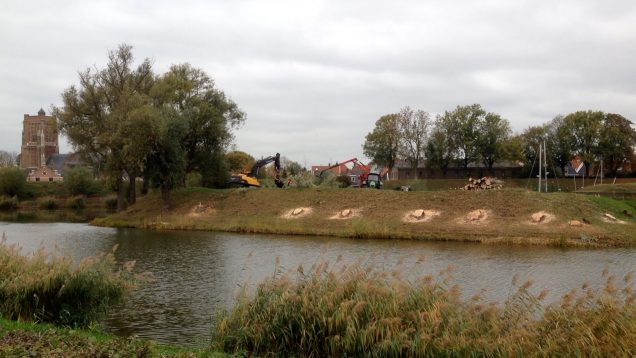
105,117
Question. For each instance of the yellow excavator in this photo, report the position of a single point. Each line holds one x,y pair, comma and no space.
251,178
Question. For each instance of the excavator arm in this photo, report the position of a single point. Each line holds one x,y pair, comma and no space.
251,178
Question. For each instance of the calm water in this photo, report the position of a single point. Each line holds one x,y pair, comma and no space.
198,273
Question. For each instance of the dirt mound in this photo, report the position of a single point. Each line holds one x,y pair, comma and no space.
476,216
420,215
541,217
345,214
296,213
609,218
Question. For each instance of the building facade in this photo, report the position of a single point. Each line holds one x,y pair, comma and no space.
39,140
39,144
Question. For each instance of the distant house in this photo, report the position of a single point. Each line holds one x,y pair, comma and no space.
576,167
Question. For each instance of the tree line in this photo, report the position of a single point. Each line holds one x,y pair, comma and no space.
129,123
470,134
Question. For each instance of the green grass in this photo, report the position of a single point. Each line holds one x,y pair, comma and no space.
20,339
360,311
381,215
619,208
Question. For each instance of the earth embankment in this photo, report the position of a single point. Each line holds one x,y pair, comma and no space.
494,216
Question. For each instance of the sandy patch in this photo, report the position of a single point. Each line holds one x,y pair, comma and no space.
419,216
296,213
345,214
540,217
611,219
201,210
476,216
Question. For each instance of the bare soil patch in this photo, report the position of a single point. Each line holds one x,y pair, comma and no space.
611,219
476,217
346,214
297,213
420,215
540,217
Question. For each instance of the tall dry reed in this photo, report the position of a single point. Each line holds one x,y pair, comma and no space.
46,288
361,311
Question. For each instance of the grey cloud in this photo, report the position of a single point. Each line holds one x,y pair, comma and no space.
313,76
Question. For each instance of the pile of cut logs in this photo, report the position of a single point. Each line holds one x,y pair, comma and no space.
485,183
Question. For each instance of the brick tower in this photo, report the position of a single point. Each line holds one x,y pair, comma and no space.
39,140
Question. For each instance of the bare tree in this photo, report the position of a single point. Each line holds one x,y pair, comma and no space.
413,126
8,159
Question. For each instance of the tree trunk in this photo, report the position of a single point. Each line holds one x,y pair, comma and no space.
132,190
146,185
165,199
119,185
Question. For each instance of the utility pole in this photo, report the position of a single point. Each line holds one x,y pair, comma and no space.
539,187
545,165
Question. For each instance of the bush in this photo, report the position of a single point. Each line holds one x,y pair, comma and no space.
48,203
76,202
8,203
79,181
194,179
52,289
12,182
359,311
343,181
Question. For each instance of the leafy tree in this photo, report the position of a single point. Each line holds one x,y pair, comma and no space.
79,181
12,182
440,151
463,125
8,159
290,167
239,161
413,126
100,116
130,123
381,144
494,132
167,163
560,142
531,138
583,129
210,118
617,141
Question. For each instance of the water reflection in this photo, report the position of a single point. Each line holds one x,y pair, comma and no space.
198,273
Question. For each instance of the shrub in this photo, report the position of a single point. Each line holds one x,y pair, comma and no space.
343,181
79,181
12,182
52,289
48,203
8,203
359,311
76,202
193,179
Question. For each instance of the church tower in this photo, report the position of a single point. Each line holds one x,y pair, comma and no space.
39,140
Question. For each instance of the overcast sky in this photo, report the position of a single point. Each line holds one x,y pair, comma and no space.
314,76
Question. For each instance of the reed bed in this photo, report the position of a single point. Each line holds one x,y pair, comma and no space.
358,310
45,288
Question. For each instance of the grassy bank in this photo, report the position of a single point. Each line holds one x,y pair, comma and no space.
506,215
27,339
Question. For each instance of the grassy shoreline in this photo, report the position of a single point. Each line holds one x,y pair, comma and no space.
382,213
41,339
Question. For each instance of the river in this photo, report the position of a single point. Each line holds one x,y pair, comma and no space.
198,273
